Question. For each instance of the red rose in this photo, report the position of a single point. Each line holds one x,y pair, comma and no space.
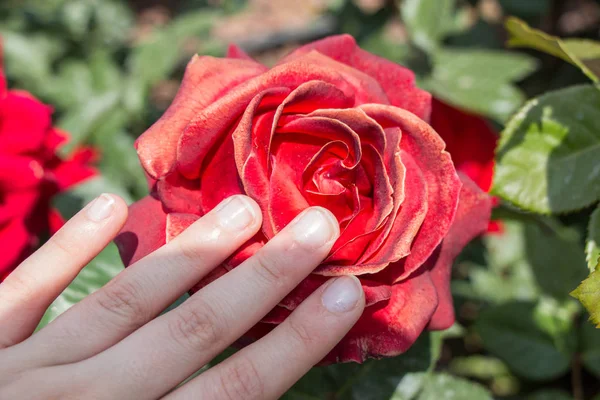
30,173
330,125
471,141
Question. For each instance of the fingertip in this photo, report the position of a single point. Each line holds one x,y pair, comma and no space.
105,207
238,213
343,295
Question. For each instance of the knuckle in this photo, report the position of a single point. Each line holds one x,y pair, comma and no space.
19,286
269,268
241,380
302,333
125,301
63,244
191,253
196,327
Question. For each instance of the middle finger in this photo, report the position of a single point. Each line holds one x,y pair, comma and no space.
176,344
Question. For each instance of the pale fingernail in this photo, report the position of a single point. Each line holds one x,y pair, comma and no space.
342,294
235,213
101,208
315,227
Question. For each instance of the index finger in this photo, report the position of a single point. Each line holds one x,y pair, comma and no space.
30,289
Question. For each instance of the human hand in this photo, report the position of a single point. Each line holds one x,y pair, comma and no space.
112,345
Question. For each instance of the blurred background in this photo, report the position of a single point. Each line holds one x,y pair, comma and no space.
111,67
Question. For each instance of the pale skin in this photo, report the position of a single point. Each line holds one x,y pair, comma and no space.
115,344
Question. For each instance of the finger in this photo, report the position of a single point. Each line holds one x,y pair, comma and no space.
28,291
267,368
192,334
146,288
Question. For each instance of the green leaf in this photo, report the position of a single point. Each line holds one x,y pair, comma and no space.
81,121
478,367
588,293
444,386
590,348
29,59
582,53
480,80
73,84
509,331
592,245
547,156
106,74
155,58
507,275
113,21
556,257
76,18
119,163
430,21
95,275
549,394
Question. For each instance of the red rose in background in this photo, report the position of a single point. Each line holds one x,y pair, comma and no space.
31,173
330,125
471,141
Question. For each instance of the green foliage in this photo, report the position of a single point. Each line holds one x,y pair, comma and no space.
480,80
592,247
590,348
588,292
585,54
430,21
550,394
373,380
510,332
546,159
157,56
507,274
550,248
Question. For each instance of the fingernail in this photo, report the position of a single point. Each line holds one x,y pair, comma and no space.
101,208
342,294
315,227
235,213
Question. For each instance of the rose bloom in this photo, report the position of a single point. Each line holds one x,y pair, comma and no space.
31,173
334,126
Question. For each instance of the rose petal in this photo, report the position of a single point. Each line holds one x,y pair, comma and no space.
389,328
212,122
470,140
55,220
177,223
25,122
396,243
19,172
472,217
206,79
16,245
443,185
179,194
397,81
73,170
19,204
234,51
144,231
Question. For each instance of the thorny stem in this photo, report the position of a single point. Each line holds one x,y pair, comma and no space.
576,379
